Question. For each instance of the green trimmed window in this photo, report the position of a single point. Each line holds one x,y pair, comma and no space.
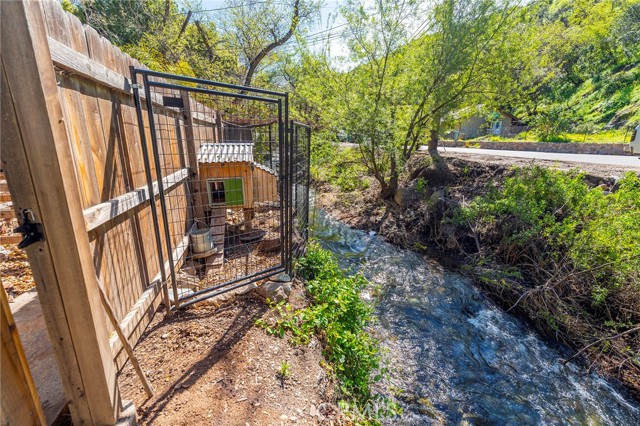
228,192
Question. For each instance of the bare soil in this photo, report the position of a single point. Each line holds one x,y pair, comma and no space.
16,272
471,176
214,366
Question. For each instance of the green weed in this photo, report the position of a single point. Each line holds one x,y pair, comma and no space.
340,318
284,371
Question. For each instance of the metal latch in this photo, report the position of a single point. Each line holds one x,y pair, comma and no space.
30,229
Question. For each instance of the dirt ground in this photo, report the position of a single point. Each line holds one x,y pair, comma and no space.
216,367
363,209
16,272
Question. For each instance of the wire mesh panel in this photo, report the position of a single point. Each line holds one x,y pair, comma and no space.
225,182
300,182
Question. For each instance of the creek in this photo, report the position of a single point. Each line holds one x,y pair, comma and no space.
457,357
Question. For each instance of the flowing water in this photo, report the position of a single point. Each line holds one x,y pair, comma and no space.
459,359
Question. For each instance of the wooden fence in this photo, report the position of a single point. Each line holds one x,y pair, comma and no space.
72,153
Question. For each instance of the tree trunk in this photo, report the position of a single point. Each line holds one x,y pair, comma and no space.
389,188
432,147
254,62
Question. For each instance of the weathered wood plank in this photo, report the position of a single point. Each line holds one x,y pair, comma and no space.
65,57
148,388
196,195
134,323
78,106
75,62
108,211
216,229
42,178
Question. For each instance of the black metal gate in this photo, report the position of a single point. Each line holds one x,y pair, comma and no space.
231,174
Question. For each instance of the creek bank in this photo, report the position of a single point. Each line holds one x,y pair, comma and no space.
420,219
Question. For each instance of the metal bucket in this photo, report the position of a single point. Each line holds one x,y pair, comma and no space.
201,241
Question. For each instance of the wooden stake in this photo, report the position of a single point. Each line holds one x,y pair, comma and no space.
125,343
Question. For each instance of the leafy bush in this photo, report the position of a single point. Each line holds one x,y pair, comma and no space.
324,150
551,126
568,256
340,317
349,175
551,216
609,241
333,164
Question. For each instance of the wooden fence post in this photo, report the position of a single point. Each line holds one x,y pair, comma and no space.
40,173
197,197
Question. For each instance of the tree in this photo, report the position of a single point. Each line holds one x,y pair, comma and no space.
453,64
120,21
181,42
257,29
627,30
178,36
401,90
571,64
368,98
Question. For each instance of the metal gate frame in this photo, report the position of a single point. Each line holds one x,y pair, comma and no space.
287,140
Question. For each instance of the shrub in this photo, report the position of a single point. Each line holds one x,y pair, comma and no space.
333,164
547,215
551,125
577,250
340,317
324,150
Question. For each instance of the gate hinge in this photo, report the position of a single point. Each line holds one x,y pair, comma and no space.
136,86
30,229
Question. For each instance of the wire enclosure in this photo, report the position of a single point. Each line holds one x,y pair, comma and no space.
232,174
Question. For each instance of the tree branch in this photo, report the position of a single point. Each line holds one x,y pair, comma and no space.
254,62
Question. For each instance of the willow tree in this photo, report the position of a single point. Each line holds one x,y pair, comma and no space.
453,64
407,75
368,96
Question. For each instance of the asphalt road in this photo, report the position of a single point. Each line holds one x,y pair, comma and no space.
614,160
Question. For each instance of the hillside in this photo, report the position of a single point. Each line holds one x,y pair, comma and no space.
610,100
573,68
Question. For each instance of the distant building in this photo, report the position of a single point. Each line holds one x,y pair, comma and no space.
499,123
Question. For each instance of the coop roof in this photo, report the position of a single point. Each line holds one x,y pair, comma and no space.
223,152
